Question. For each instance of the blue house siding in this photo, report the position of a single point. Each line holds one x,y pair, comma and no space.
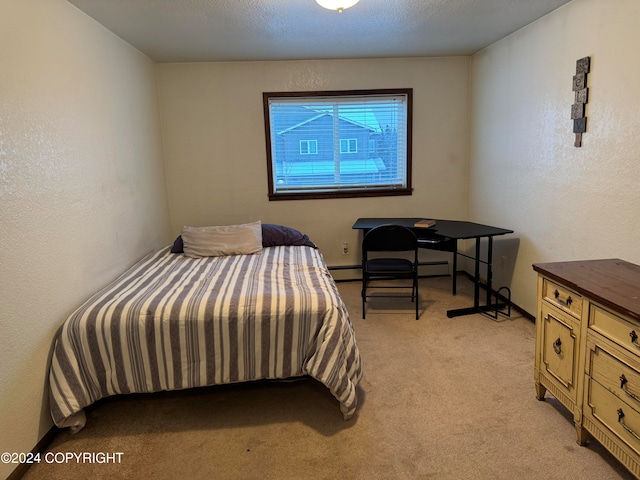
311,131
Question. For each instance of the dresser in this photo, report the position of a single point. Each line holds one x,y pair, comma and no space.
587,351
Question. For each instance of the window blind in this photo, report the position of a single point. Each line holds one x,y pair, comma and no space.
338,143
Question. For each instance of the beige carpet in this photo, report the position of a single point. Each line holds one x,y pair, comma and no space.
441,398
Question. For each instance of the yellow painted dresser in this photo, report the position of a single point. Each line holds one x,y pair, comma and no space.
588,350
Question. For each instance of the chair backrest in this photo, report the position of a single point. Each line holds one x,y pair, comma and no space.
389,238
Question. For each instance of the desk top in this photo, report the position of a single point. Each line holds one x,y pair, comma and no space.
455,229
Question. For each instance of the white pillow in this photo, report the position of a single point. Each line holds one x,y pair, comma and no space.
245,239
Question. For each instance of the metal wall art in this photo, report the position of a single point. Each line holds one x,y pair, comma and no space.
578,109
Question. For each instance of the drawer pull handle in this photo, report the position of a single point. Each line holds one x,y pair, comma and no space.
566,302
557,346
634,337
620,417
623,386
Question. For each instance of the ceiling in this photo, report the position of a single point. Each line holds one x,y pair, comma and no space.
233,30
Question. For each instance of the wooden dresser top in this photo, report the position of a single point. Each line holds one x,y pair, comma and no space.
611,282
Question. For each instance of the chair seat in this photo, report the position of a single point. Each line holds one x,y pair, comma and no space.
390,265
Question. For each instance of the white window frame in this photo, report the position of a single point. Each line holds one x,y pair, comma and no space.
309,144
348,142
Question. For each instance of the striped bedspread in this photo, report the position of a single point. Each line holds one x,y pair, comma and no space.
172,322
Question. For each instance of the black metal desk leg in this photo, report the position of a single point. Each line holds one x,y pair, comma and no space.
489,270
476,277
477,308
455,267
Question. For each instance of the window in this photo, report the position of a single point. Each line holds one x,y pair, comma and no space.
349,145
338,144
308,147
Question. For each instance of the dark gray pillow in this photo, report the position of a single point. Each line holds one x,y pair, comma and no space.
178,246
274,235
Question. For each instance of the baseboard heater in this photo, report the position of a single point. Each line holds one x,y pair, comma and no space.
359,267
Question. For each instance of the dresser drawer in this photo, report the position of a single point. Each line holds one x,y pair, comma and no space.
616,375
560,347
616,415
615,328
562,298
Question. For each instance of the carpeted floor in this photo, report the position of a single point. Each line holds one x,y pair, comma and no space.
441,398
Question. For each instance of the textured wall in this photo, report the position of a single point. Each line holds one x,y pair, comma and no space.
213,134
565,203
82,192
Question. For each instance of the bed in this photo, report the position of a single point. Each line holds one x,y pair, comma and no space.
174,321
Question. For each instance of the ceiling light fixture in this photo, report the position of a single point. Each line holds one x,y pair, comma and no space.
338,5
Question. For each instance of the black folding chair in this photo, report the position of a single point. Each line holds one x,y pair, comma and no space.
389,238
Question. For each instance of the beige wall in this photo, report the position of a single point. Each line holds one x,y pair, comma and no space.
213,134
565,203
82,190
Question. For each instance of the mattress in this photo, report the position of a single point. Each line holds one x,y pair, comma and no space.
171,322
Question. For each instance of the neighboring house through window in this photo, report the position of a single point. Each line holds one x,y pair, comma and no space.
338,144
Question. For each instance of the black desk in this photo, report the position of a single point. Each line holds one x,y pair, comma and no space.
450,231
